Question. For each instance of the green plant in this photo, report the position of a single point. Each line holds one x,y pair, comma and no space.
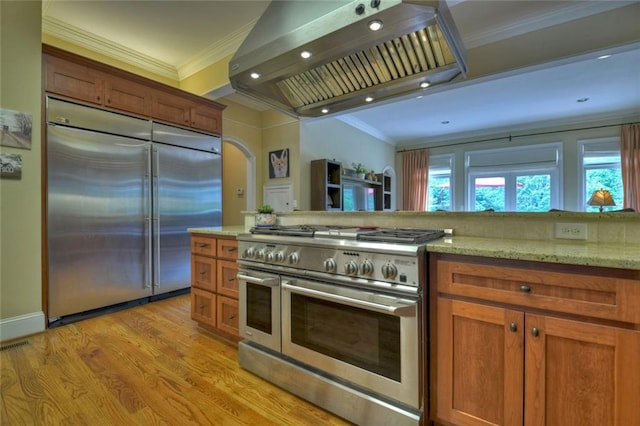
265,208
359,167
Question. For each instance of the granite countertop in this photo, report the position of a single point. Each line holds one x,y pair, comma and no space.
613,255
229,231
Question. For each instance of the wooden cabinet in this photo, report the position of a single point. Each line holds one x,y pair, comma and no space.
85,80
525,343
214,292
326,185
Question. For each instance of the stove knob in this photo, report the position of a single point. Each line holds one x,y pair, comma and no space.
330,265
367,267
261,254
279,256
389,271
250,252
351,267
294,258
270,256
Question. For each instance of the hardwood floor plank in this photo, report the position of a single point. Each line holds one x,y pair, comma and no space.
147,365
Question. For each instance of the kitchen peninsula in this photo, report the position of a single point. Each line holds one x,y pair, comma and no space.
518,293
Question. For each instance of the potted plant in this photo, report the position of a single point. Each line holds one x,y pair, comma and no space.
265,216
359,169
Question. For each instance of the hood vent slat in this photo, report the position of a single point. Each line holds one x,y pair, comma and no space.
419,44
404,56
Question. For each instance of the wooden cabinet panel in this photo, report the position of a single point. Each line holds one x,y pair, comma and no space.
480,364
74,80
227,281
206,118
593,296
579,373
227,249
507,358
125,95
203,307
203,272
214,271
203,245
227,315
170,108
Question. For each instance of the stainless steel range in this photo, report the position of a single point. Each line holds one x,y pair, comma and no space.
334,315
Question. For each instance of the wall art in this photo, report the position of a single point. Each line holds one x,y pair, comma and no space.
16,128
279,164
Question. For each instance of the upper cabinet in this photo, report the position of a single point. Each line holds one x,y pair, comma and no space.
79,78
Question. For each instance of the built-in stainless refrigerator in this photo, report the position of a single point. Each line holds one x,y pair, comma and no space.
121,193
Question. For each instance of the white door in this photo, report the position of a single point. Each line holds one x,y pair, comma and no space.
278,196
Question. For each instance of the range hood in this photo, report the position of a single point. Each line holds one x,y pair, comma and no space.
350,65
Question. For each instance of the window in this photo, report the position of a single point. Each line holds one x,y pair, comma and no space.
600,169
522,179
440,190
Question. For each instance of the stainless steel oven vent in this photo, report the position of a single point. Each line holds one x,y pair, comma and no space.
417,44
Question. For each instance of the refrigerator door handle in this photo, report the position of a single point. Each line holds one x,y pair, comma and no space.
156,217
148,213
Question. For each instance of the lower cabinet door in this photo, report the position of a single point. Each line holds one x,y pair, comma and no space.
479,373
203,306
580,373
228,315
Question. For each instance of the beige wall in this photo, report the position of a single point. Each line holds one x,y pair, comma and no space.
20,202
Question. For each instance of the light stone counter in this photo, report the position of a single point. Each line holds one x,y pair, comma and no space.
225,231
613,255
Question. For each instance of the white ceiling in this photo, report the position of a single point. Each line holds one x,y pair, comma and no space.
179,38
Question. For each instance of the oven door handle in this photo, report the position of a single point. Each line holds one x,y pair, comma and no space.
266,282
399,311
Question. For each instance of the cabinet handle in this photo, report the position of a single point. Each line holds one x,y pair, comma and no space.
232,316
525,288
202,273
513,327
203,245
535,332
231,249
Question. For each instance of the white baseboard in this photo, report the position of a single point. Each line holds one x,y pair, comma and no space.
20,326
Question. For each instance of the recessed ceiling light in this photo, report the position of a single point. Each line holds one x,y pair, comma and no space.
325,110
425,84
604,56
305,54
445,122
255,75
375,25
368,99
582,100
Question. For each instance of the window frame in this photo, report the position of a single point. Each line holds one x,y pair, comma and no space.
442,162
606,146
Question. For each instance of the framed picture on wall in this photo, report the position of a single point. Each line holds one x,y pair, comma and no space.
279,164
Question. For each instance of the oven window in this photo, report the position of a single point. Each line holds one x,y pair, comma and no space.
259,307
363,338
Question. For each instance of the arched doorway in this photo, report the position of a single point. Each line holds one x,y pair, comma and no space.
238,180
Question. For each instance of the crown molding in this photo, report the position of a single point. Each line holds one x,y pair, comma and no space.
215,52
559,15
87,40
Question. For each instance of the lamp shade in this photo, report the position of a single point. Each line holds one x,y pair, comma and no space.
601,198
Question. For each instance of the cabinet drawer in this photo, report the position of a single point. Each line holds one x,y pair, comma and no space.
203,306
227,281
227,315
203,272
203,245
228,249
568,292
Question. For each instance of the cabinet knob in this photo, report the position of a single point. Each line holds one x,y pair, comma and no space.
535,332
525,288
232,316
513,327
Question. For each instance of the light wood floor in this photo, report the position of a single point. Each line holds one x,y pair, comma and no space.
148,365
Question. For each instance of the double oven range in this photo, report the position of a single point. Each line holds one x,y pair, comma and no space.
335,314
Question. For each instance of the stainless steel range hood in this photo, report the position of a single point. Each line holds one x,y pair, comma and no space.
417,44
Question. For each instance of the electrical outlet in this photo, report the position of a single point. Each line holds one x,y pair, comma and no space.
571,231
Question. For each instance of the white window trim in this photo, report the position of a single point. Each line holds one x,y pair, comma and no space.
442,161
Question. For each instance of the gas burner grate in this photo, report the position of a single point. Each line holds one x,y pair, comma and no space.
294,230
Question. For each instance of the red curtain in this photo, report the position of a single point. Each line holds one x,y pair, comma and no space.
415,176
630,165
